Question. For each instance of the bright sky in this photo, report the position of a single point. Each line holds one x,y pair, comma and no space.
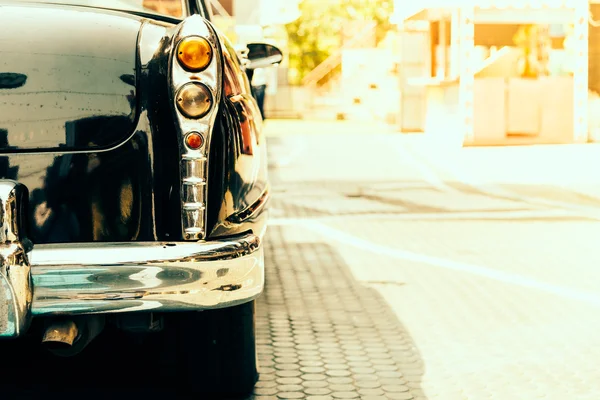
279,11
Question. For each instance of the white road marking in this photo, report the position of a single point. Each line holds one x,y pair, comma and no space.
431,175
478,270
495,215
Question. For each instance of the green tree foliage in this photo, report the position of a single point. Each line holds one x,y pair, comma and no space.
535,44
318,32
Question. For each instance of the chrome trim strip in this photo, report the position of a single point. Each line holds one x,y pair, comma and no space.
15,271
151,35
126,277
252,210
194,180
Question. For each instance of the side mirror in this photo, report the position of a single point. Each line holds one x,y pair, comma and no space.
262,55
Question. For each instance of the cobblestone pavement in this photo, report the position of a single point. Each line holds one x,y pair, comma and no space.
324,335
487,280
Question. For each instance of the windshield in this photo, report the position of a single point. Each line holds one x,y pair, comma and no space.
171,8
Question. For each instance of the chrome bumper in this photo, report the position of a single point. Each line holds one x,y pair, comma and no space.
117,277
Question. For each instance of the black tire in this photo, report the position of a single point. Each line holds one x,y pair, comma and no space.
216,351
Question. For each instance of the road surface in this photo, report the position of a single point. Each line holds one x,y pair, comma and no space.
401,268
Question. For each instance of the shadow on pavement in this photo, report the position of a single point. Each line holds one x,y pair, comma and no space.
347,198
323,333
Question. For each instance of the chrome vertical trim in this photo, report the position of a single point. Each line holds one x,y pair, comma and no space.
151,36
194,163
16,290
151,42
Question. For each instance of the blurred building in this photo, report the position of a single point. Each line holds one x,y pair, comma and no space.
248,21
251,16
227,6
461,75
594,47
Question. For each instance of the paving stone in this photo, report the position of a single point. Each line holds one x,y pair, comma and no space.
340,380
395,388
318,391
366,377
286,360
267,370
291,395
340,366
290,388
410,396
285,351
265,390
371,392
312,370
288,381
306,353
314,377
287,366
338,372
288,373
387,361
319,343
368,384
345,395
342,387
333,358
266,363
389,374
311,363
310,357
315,384
362,370
393,381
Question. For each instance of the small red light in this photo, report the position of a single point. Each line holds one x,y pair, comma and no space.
194,140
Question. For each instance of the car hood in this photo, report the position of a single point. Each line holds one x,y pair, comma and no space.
67,77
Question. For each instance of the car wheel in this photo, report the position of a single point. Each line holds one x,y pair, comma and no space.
216,350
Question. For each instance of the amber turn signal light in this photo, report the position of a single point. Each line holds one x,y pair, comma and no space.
194,53
194,140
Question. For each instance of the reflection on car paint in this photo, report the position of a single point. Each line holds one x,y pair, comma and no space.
237,145
67,91
113,195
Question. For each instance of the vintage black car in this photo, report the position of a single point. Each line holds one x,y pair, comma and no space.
133,182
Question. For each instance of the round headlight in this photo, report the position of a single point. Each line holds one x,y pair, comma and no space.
194,100
194,53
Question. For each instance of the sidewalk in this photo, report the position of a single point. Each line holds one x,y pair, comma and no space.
533,164
567,173
283,127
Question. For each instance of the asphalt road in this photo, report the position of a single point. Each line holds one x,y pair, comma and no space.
487,257
400,268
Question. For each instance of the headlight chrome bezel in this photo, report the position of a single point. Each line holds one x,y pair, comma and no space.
203,97
195,128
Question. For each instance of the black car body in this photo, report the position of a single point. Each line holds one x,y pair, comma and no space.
120,204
